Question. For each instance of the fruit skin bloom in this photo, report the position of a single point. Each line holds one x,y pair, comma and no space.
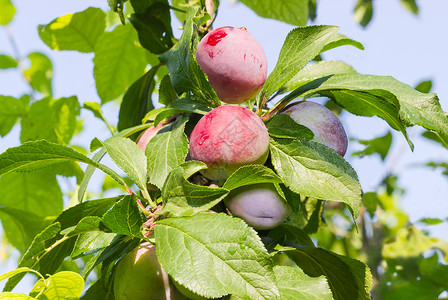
234,62
325,125
227,138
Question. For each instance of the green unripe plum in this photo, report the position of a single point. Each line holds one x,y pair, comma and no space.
235,63
139,276
259,205
227,138
325,125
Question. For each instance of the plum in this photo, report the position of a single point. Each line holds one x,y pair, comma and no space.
234,62
325,125
227,138
259,205
139,275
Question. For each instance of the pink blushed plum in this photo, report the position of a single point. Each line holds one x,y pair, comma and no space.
227,138
325,125
146,136
234,62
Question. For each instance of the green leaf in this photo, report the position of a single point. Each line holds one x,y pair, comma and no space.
294,12
99,155
95,108
77,31
153,25
380,145
91,242
283,126
7,11
167,94
10,110
302,45
410,5
129,157
185,73
436,137
31,156
51,119
29,259
86,224
431,221
15,296
124,217
294,284
7,62
166,151
21,226
183,198
363,12
119,61
137,101
370,201
40,73
289,235
251,174
395,102
179,106
62,285
229,247
315,71
314,170
348,278
17,271
412,242
424,86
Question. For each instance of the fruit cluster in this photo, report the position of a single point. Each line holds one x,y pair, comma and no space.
229,137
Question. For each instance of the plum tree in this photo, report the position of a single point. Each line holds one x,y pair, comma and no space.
259,205
139,275
234,62
227,138
325,125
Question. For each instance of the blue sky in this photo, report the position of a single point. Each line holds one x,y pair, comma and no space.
407,47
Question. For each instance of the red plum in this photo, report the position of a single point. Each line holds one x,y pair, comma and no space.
227,138
234,62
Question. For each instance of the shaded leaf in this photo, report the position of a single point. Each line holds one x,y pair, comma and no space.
363,12
185,73
153,25
137,101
